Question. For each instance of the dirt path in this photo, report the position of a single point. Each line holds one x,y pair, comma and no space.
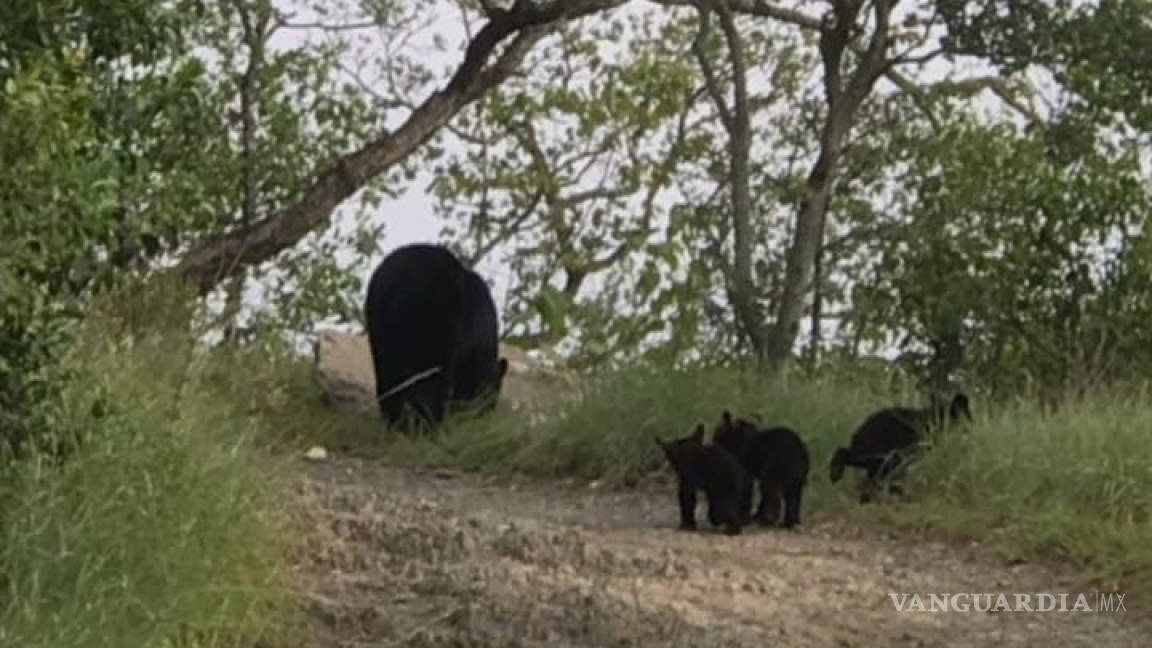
425,558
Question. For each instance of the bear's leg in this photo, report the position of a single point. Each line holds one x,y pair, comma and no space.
769,510
391,408
715,517
891,473
868,488
746,501
440,393
687,495
731,515
896,484
792,498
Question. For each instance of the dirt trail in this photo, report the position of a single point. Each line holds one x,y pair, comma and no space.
428,558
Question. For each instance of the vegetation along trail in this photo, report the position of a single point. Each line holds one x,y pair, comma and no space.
437,557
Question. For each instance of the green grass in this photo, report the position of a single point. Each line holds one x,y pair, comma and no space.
1075,485
608,435
168,527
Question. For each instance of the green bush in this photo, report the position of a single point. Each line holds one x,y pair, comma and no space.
166,526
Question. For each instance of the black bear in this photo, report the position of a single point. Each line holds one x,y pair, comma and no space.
711,469
777,458
434,335
889,438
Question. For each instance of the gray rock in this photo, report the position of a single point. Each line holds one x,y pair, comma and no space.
342,368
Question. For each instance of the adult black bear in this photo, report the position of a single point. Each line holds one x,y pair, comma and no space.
889,438
433,331
711,469
777,458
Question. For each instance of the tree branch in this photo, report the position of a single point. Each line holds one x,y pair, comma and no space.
901,81
996,84
331,27
711,83
756,8
217,258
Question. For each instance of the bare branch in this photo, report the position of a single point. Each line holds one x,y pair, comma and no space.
756,8
710,81
599,193
510,229
919,59
919,97
964,87
997,85
381,101
331,27
901,81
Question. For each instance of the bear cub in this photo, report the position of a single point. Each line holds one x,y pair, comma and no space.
890,438
710,469
777,458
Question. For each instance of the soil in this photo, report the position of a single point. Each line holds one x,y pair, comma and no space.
404,557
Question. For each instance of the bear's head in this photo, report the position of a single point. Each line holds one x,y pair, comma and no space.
680,452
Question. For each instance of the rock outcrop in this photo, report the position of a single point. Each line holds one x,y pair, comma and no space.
342,366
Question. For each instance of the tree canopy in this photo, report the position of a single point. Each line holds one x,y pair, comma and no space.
960,183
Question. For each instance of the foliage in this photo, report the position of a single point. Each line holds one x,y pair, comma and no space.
262,112
1096,51
568,217
166,526
119,146
619,245
56,202
1020,259
106,30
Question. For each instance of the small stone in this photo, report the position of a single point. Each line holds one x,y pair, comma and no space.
316,453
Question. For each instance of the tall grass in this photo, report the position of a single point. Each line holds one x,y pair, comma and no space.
166,527
1075,484
607,434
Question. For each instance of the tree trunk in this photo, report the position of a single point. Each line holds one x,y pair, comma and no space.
801,257
737,123
815,335
843,97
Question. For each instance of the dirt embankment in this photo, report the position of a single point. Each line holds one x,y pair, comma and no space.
426,558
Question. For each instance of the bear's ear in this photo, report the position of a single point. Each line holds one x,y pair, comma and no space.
698,433
726,417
